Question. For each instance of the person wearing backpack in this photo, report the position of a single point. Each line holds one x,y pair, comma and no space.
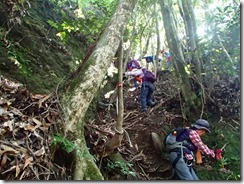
147,80
149,59
168,58
182,144
134,65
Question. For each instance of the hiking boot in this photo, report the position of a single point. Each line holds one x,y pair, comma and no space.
144,110
153,104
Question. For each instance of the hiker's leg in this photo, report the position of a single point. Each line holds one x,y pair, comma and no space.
150,100
195,177
181,168
144,92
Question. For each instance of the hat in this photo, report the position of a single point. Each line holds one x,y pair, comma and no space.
201,124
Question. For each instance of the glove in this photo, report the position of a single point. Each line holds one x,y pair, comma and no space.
188,162
138,79
218,154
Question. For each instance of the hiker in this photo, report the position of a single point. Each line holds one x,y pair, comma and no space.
168,58
147,86
181,153
134,65
149,59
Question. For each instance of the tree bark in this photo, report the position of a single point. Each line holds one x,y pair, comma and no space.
156,64
189,19
115,142
81,91
177,57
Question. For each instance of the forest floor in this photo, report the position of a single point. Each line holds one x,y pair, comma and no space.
142,146
143,152
29,122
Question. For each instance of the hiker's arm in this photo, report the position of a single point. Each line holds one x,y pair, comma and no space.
135,72
197,141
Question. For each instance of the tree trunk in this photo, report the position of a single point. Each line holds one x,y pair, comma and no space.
177,57
189,19
157,64
115,142
81,91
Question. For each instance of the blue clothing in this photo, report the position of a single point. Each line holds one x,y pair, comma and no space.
183,171
147,89
167,54
182,165
149,59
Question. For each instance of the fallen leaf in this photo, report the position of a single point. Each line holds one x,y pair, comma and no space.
43,100
28,161
29,127
17,171
4,159
37,122
40,152
5,149
17,112
44,129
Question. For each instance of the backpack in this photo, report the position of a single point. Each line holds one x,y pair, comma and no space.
133,64
173,138
149,76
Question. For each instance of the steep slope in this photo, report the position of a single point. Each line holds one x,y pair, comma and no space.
30,50
147,160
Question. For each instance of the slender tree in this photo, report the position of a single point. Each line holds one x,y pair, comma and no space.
115,142
158,40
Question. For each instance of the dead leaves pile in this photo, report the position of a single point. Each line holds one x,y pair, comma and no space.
226,98
27,123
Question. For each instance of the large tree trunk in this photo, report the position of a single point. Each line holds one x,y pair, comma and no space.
178,58
83,88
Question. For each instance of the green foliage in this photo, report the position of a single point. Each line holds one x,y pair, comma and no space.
221,163
20,60
121,167
227,168
223,23
87,18
69,146
53,24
